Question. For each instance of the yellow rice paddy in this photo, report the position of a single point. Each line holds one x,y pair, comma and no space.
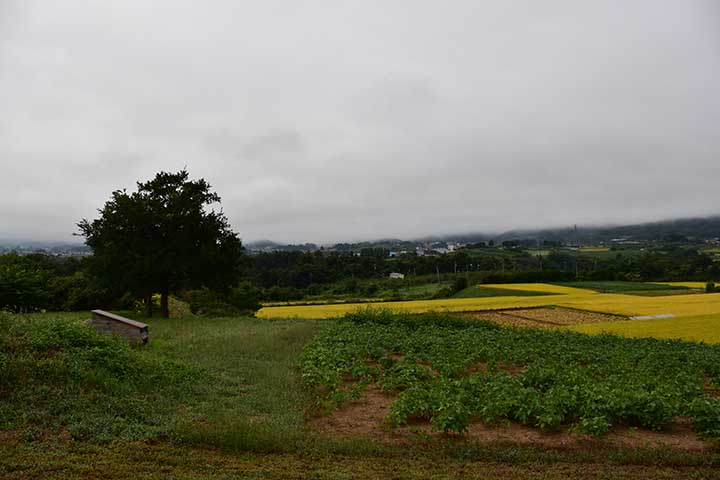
696,316
594,249
614,303
414,306
701,328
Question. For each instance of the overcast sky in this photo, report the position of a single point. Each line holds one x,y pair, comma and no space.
327,121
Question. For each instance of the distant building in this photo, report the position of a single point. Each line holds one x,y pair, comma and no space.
396,275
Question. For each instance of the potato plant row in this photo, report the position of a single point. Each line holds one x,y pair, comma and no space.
454,371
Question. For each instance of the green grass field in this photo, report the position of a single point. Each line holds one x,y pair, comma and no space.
419,291
477,291
622,287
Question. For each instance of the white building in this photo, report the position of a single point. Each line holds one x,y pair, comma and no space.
396,275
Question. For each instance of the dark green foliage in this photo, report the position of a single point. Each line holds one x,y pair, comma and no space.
705,414
459,284
241,300
282,294
710,287
245,297
162,239
58,373
81,292
30,283
453,371
657,262
22,289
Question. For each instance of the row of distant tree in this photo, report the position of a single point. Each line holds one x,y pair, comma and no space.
37,282
166,238
300,270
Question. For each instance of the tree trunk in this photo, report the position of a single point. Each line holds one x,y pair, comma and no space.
164,309
148,305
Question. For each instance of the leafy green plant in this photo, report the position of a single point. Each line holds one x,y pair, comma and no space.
452,372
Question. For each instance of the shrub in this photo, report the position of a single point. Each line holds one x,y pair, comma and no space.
245,297
459,284
22,289
282,294
241,300
370,289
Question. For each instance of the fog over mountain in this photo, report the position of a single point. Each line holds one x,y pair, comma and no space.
327,121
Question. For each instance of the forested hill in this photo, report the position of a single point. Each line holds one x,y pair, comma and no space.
692,228
672,230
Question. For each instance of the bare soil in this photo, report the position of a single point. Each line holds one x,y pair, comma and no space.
366,417
543,317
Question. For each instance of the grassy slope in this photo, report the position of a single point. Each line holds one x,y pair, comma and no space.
547,288
622,287
478,291
59,377
425,290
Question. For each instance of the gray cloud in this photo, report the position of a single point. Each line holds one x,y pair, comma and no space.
327,121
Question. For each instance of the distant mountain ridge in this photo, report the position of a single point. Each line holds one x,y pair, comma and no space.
705,228
694,228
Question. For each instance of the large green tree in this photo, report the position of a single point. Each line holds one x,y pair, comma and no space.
164,238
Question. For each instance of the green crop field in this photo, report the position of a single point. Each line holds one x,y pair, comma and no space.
622,287
454,372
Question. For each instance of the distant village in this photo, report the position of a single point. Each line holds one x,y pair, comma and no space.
570,239
64,251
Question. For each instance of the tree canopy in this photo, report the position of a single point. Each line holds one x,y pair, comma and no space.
164,238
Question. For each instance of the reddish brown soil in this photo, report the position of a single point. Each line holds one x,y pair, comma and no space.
366,417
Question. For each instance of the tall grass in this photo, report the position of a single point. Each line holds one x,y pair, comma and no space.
59,376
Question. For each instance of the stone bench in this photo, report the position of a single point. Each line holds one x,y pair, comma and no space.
106,322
